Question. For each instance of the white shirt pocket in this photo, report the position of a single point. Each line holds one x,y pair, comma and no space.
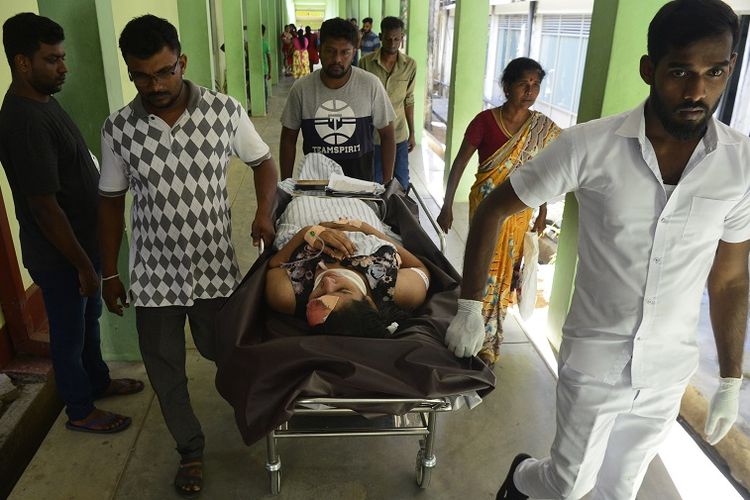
706,219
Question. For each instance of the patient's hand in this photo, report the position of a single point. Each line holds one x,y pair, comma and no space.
347,225
337,243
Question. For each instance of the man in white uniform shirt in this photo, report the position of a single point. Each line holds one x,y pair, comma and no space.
664,210
171,148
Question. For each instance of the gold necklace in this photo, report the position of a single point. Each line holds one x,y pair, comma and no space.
502,125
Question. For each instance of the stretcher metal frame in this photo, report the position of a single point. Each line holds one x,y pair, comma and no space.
425,410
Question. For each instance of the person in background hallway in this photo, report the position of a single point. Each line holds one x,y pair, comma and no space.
171,147
369,41
663,197
300,60
504,137
266,63
396,72
355,61
287,49
338,108
53,178
312,47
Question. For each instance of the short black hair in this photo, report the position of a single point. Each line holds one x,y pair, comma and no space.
338,28
517,67
682,22
353,20
360,318
391,23
23,33
144,36
367,20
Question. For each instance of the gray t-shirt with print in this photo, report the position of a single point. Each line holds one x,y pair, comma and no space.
340,123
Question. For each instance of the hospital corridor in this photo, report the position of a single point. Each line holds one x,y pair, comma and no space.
290,184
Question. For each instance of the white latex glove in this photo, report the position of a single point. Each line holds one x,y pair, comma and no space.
465,334
723,410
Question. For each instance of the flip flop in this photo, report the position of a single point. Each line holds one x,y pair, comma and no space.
189,474
122,387
92,425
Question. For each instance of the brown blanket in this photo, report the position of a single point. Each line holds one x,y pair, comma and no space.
268,360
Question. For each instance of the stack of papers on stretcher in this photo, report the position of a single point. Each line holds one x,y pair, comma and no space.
339,184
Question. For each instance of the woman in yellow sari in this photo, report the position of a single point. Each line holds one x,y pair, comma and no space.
505,137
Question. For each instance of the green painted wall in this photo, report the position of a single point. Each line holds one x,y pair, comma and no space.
7,10
611,84
254,13
195,38
343,10
83,96
391,8
466,87
376,13
363,12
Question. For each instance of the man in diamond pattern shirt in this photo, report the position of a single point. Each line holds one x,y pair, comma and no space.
171,147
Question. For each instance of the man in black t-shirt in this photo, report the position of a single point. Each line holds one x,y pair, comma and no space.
54,180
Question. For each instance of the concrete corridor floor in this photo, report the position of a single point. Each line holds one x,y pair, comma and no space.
473,448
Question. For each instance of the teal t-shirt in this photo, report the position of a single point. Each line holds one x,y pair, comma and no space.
266,53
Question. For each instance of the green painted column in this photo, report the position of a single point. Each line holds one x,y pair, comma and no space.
344,9
255,57
391,8
376,13
234,50
195,38
289,12
611,84
363,10
110,54
417,32
272,35
83,95
466,87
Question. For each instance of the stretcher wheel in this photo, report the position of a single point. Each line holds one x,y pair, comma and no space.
424,473
275,477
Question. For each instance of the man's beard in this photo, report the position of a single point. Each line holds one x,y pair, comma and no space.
682,131
152,100
336,74
47,88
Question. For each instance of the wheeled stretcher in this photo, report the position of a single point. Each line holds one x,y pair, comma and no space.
275,373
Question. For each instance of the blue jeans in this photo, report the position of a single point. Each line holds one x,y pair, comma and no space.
401,169
80,373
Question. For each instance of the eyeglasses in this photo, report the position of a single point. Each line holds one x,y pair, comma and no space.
143,79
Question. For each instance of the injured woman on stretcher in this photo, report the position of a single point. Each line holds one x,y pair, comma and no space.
335,266
377,289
